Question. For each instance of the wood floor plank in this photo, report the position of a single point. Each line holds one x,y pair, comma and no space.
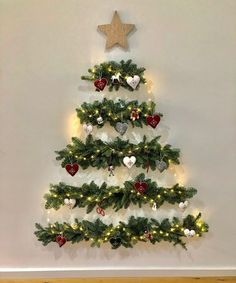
127,280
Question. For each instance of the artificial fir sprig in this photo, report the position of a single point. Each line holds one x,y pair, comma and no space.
125,234
123,70
113,112
104,196
100,154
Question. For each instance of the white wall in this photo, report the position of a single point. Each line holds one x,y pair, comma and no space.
189,50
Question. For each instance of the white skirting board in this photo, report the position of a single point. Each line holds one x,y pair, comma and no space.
83,272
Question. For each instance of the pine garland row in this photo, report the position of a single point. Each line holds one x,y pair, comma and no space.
123,69
104,196
125,234
113,112
100,154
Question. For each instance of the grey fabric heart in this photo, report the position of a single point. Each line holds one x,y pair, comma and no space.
161,165
121,128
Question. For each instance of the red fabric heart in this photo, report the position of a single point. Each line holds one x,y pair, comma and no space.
100,84
60,240
153,120
141,187
72,168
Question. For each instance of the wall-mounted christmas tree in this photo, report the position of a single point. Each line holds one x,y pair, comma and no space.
148,154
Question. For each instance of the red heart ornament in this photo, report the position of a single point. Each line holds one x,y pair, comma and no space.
153,120
60,240
141,187
100,84
72,168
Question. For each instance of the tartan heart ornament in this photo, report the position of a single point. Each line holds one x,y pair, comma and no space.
60,240
100,84
153,120
72,169
141,187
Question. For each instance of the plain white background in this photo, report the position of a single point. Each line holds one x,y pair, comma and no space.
188,48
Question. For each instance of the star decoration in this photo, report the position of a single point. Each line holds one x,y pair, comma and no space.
116,32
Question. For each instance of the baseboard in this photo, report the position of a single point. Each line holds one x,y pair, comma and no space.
113,272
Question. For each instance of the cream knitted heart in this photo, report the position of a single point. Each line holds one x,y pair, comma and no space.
133,81
129,161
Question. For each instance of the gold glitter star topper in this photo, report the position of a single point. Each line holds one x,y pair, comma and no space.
116,32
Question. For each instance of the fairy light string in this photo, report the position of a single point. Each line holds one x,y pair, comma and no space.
99,154
96,153
129,233
113,112
104,196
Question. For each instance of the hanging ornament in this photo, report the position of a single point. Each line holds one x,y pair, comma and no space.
129,161
141,187
72,168
189,233
100,211
100,120
121,128
153,120
154,206
111,170
148,235
115,79
115,242
116,32
133,81
60,240
88,128
122,103
183,205
161,165
70,202
134,115
148,165
100,84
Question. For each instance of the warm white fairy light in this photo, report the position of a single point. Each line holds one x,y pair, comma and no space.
73,125
48,219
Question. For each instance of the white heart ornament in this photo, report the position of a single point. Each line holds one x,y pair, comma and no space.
129,161
70,202
192,233
186,203
183,205
133,81
88,128
186,232
189,233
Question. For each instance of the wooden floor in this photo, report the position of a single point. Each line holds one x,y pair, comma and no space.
126,280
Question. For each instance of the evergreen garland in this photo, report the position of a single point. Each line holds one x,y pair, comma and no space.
99,154
113,112
104,196
125,234
108,69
